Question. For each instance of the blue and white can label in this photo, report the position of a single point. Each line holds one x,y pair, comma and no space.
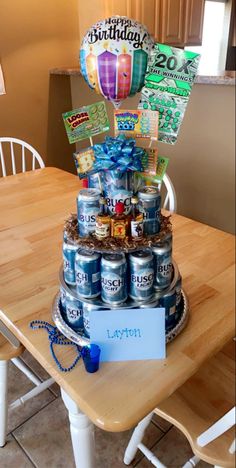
168,301
141,273
88,209
69,252
117,189
74,313
96,181
63,298
162,265
114,278
178,291
113,197
86,316
87,273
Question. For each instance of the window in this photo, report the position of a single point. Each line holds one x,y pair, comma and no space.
213,49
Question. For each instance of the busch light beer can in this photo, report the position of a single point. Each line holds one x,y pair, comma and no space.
117,189
65,236
114,278
63,298
149,305
87,273
178,289
87,208
138,182
168,302
168,238
95,181
86,316
163,268
150,206
73,313
69,251
141,273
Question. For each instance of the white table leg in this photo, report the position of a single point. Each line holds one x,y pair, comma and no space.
82,434
3,401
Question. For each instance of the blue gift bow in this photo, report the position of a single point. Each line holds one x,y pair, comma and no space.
118,153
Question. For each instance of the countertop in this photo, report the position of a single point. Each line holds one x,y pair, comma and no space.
201,79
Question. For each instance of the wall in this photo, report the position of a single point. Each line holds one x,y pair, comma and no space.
34,37
202,161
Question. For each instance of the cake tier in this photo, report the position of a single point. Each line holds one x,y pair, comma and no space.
112,244
78,337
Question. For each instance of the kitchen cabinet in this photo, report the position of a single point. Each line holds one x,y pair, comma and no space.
194,22
173,22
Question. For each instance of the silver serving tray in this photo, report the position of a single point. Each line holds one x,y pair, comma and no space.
82,340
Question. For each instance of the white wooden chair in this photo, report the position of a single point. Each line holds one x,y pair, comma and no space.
170,200
203,410
23,156
10,350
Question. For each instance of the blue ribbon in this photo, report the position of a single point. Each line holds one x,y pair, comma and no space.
118,153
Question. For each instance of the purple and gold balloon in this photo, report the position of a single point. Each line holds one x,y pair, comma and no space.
107,71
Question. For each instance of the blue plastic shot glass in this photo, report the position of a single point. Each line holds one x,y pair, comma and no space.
91,356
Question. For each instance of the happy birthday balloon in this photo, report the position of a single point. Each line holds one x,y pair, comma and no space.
114,56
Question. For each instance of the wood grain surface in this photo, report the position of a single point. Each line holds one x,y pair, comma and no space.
33,208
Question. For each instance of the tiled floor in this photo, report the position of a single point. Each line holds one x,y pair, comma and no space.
39,434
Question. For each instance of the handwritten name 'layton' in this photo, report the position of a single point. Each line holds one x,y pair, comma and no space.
124,333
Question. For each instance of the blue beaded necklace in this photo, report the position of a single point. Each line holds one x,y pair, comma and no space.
56,338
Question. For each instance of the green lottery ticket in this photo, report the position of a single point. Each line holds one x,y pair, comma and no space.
86,122
168,83
161,167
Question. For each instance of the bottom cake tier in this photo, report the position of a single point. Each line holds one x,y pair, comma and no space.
79,337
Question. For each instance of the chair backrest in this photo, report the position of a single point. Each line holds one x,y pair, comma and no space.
170,200
218,428
18,151
198,409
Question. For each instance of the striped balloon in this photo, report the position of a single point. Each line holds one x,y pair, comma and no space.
114,56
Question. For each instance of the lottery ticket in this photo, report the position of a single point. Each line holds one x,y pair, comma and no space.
86,121
169,79
161,166
136,123
84,162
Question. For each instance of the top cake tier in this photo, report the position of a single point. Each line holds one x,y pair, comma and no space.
112,244
117,212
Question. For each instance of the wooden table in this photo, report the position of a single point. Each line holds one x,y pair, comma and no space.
34,206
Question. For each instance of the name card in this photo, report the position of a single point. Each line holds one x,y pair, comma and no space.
129,334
